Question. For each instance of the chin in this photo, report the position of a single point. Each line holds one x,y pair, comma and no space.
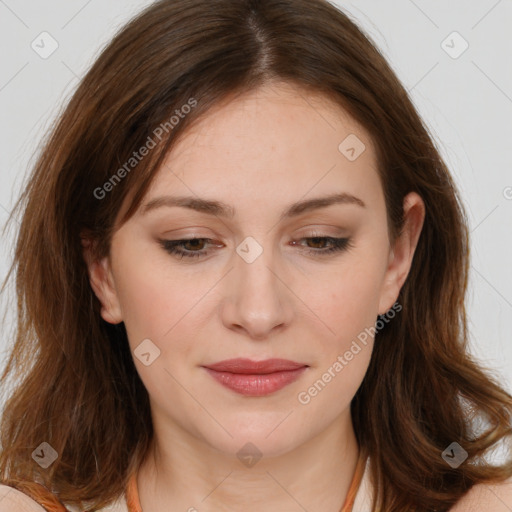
268,437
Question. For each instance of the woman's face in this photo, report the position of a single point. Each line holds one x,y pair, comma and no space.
273,275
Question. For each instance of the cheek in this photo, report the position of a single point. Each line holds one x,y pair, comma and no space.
348,302
348,299
149,299
145,307
349,307
160,302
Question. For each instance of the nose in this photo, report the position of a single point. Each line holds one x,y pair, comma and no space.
258,301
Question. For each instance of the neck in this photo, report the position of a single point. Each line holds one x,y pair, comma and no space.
186,473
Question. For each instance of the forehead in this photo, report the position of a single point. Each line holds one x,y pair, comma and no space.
277,143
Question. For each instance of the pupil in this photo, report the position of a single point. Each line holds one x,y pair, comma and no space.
317,240
194,242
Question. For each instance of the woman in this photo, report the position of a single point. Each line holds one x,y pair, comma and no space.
246,285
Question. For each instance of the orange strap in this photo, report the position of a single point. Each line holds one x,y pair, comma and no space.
132,495
356,482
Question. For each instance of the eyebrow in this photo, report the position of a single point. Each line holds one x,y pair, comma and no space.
218,208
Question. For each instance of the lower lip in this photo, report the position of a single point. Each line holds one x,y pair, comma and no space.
256,385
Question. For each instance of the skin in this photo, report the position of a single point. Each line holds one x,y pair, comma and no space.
258,153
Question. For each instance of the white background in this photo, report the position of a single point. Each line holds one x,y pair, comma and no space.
466,102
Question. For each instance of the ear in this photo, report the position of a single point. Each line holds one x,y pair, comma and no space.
402,252
102,283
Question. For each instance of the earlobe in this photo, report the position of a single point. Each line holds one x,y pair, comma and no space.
102,283
402,252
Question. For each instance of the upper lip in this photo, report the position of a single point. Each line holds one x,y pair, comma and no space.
248,366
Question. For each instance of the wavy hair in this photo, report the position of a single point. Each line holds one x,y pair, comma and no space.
75,384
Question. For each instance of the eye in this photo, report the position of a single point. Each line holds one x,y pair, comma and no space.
195,247
188,247
336,244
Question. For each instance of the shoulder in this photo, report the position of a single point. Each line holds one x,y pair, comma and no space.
12,500
495,497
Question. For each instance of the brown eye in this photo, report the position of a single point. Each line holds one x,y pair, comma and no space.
316,244
188,248
192,244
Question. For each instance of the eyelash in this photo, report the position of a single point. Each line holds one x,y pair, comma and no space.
174,247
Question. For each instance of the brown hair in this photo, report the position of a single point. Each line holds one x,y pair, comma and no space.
77,387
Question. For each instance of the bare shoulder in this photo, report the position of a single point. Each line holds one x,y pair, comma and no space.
495,497
12,500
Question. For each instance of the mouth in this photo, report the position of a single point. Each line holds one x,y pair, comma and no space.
256,378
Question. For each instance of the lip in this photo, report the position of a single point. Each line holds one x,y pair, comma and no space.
247,366
255,378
